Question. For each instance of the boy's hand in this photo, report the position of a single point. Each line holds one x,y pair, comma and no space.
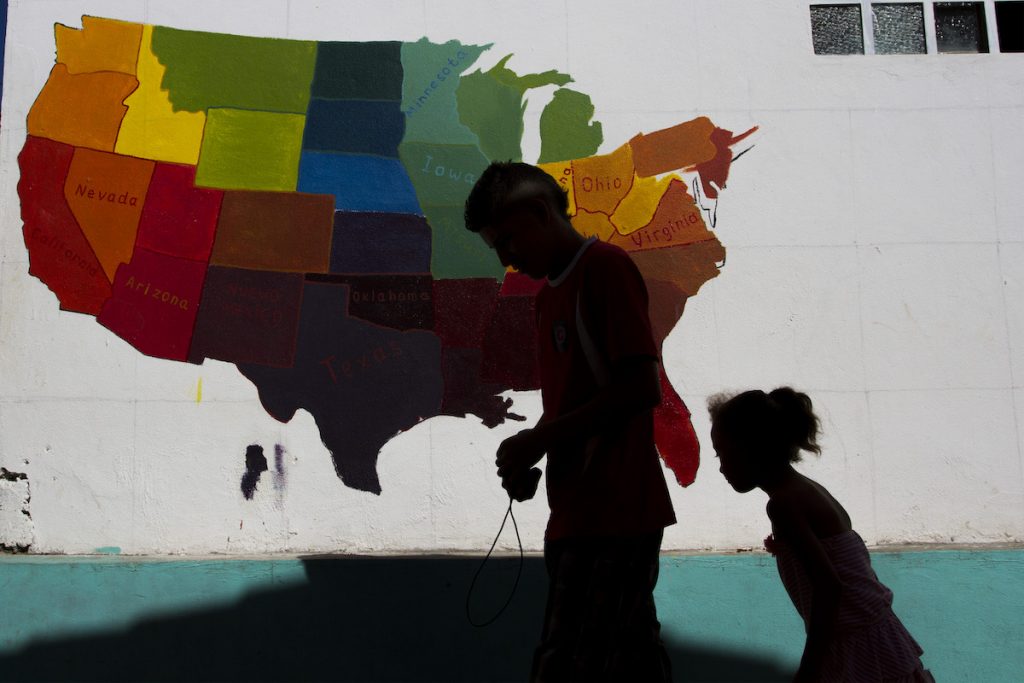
518,453
522,486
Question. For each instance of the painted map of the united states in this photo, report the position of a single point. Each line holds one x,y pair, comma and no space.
295,208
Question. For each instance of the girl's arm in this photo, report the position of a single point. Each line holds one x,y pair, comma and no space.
790,524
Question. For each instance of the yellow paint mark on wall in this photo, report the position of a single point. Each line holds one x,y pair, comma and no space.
199,391
152,129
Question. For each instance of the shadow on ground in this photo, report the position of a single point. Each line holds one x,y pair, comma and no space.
356,619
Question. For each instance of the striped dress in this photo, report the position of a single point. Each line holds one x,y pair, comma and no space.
871,643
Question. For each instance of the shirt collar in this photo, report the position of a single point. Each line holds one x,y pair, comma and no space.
572,264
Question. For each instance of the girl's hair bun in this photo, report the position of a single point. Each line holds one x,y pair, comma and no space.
782,422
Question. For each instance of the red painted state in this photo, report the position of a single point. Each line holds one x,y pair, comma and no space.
179,219
715,172
517,284
674,436
59,253
154,303
510,345
463,310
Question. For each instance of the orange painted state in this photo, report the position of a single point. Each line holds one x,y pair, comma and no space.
677,221
106,193
100,45
687,266
600,182
680,146
279,231
667,301
84,110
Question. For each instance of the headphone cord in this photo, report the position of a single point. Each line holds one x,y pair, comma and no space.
519,571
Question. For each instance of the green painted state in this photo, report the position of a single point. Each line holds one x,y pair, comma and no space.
362,71
457,252
431,76
566,130
207,70
492,103
250,150
442,174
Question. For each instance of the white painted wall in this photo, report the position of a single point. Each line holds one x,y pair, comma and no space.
875,243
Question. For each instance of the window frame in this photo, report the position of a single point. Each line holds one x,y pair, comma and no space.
928,9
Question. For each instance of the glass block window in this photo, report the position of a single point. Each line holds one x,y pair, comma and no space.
898,28
837,30
960,27
1010,26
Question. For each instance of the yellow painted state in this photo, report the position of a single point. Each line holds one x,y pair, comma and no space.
600,182
199,391
151,129
100,45
593,225
562,172
638,207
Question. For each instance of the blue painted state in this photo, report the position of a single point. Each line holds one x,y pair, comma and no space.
358,182
354,127
725,617
3,42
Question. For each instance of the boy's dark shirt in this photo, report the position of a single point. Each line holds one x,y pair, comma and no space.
611,484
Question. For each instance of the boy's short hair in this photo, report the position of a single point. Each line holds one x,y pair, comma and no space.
505,182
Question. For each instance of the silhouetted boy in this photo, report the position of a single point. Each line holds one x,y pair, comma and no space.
599,379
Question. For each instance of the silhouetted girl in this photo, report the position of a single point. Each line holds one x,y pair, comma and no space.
852,632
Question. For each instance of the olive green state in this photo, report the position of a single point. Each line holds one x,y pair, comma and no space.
566,130
241,72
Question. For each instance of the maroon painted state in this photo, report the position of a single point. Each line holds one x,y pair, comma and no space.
510,345
248,316
179,219
463,310
59,254
154,303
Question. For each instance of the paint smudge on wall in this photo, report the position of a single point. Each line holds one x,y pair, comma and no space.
279,478
255,465
17,531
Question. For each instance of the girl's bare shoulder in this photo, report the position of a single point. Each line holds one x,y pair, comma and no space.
804,501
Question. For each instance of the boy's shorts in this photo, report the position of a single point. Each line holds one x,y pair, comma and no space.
601,623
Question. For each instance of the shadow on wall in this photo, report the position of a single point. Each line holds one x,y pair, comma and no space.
357,619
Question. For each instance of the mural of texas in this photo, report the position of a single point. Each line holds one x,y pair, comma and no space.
295,208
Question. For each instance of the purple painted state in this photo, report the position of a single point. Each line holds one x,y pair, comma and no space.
362,383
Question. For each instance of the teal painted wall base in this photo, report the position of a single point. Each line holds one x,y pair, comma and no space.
725,617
